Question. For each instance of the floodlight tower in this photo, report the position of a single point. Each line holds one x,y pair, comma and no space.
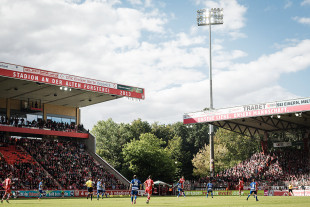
210,17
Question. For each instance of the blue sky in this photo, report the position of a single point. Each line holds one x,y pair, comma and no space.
261,53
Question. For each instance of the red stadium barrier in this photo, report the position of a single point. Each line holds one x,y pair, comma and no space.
42,131
296,193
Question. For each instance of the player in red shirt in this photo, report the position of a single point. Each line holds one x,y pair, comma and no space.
241,183
7,187
149,184
180,186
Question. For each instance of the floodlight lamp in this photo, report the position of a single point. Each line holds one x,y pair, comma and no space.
65,88
60,88
212,16
296,114
279,116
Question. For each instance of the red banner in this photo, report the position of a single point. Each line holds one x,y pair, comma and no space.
71,81
275,108
296,193
23,130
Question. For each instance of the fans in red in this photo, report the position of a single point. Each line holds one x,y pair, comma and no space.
7,187
149,184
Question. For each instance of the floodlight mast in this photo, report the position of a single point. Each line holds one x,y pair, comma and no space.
210,17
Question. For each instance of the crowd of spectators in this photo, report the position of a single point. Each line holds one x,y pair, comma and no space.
41,124
66,164
254,166
286,165
26,173
69,163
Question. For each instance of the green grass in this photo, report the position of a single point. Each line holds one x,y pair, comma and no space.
195,201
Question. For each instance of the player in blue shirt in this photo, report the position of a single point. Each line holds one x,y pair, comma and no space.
41,192
210,189
135,185
253,186
99,189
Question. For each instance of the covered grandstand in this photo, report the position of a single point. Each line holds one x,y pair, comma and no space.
282,159
41,134
259,119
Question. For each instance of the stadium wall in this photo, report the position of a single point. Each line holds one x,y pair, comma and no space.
2,103
60,110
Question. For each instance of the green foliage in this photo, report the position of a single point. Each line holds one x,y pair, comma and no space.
174,148
138,127
194,137
238,147
164,132
230,148
169,151
201,162
147,156
110,137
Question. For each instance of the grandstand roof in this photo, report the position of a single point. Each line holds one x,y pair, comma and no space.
257,118
23,83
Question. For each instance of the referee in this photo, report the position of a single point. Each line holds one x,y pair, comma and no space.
290,190
90,187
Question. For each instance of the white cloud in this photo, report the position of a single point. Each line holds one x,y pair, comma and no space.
286,43
265,72
135,2
234,16
288,4
247,83
302,20
305,2
97,39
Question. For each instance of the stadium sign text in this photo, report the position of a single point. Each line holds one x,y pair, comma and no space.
60,79
273,108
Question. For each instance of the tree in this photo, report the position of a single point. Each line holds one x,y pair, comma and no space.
194,137
146,156
201,160
230,148
138,127
238,147
110,137
174,148
164,132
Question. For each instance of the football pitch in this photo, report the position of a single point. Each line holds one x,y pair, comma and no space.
196,201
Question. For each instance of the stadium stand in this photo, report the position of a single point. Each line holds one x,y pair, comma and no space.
45,106
25,169
42,124
61,164
279,167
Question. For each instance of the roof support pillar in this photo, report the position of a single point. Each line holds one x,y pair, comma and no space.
264,143
8,110
77,115
44,112
306,142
